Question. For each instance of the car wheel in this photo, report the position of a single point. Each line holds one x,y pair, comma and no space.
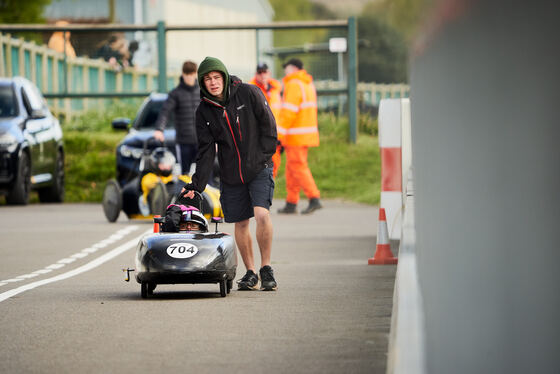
158,199
55,192
20,192
112,200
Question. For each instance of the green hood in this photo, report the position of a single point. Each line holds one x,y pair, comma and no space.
213,64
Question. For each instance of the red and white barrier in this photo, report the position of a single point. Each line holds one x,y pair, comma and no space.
395,148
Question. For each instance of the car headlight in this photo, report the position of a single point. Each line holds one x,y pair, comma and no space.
8,141
127,151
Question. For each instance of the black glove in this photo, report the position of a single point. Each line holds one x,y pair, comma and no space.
188,187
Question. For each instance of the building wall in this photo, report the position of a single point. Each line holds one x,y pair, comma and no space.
237,49
90,10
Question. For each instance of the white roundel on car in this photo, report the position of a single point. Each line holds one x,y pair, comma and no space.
182,250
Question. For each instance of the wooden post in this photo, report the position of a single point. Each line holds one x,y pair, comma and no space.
21,58
33,64
55,80
85,84
44,73
67,101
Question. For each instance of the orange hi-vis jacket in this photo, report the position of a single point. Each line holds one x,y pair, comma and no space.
272,94
297,125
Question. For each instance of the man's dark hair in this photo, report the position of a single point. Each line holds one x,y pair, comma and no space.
295,62
189,67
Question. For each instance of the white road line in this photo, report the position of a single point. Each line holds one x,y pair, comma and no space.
82,269
61,263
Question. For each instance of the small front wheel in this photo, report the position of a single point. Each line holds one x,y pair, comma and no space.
158,198
151,288
223,288
112,200
144,290
229,285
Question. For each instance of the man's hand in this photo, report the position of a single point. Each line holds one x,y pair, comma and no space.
189,194
158,134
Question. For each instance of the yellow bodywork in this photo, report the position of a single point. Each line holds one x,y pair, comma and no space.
150,180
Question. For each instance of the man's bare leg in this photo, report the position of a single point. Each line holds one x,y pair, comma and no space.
264,234
245,244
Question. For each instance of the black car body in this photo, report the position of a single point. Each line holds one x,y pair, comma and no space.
31,146
179,258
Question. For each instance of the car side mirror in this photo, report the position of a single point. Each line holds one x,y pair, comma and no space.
38,113
121,123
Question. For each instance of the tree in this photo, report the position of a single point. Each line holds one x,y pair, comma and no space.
22,11
384,58
404,15
302,10
299,10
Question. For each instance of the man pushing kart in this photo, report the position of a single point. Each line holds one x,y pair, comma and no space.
236,117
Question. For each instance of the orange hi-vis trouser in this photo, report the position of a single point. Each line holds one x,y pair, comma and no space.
298,175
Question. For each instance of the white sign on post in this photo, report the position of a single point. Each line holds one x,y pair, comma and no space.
337,45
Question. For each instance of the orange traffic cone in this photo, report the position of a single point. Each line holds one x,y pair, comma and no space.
156,225
383,254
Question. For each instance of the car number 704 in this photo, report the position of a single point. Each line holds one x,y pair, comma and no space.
182,250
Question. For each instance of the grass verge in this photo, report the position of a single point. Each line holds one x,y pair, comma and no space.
341,170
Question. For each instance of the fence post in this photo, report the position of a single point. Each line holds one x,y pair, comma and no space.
162,63
2,69
352,78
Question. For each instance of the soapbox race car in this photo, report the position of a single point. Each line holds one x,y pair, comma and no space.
150,191
177,254
147,174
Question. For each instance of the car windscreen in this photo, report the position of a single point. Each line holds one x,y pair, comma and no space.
147,119
8,104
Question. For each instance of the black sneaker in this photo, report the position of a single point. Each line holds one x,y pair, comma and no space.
267,279
248,282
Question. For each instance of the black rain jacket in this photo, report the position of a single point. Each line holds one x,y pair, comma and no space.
244,131
182,101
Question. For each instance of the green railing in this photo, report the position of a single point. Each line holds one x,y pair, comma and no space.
73,84
60,77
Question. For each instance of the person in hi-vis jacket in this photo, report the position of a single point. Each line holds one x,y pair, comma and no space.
297,131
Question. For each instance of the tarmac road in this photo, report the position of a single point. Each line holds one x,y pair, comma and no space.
64,306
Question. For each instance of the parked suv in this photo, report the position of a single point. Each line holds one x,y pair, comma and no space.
31,147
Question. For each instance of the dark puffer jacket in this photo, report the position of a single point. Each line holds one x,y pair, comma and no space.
182,101
244,130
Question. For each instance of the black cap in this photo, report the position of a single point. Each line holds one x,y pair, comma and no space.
294,61
262,67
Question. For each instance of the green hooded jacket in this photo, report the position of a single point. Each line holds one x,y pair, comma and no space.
206,66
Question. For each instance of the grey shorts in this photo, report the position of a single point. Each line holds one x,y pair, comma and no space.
238,201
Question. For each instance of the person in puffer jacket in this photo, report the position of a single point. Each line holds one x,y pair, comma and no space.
235,119
182,102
